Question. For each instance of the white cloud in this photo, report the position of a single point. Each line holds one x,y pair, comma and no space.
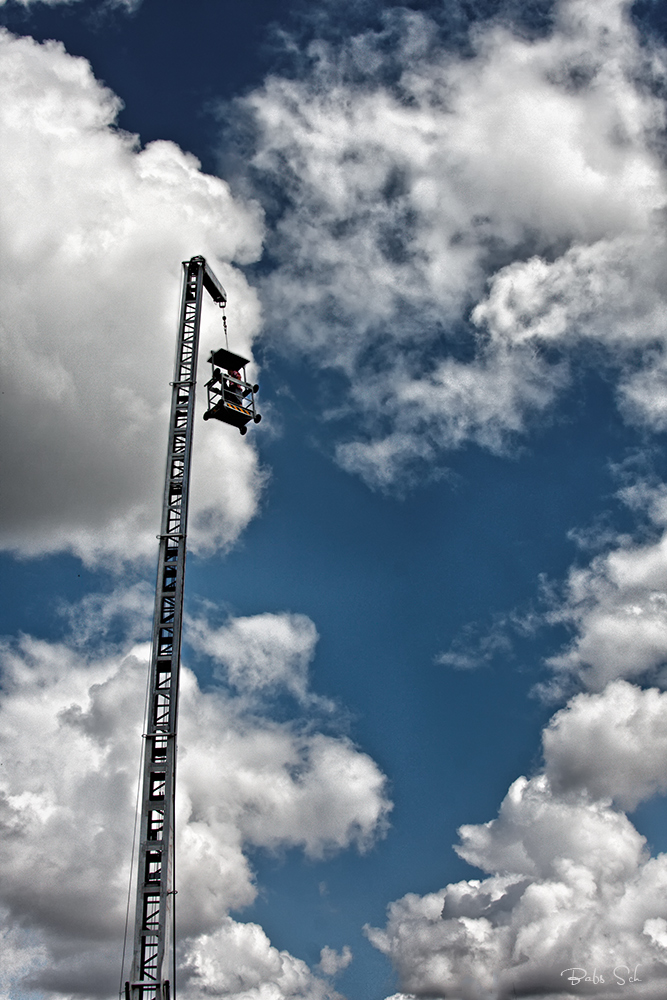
617,606
332,962
609,293
524,183
261,653
93,618
275,785
570,882
70,733
93,230
571,885
239,963
613,744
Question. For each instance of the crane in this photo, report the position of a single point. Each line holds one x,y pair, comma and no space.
231,399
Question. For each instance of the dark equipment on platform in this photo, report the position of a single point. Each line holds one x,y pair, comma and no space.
231,398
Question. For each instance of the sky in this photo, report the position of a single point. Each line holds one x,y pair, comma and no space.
423,721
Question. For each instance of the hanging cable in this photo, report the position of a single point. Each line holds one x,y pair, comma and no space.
224,324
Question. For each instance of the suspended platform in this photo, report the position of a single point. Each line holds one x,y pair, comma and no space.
231,398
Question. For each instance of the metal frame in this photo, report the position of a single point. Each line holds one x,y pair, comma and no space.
153,933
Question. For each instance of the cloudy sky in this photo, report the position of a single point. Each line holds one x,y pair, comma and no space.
423,731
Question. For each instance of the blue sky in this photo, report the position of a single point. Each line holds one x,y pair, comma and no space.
423,727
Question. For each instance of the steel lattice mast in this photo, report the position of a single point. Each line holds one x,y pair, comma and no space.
153,940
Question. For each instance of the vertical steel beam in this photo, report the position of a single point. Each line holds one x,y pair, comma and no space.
154,899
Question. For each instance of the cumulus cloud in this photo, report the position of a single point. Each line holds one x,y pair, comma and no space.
617,607
239,963
455,228
70,733
614,744
93,229
571,885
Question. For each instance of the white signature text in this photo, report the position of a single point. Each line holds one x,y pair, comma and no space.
622,974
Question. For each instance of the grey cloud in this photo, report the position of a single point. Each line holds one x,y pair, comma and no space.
93,230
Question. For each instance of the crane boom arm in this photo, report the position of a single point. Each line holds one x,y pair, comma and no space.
154,894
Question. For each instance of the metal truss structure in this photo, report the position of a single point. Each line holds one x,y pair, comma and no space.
153,933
